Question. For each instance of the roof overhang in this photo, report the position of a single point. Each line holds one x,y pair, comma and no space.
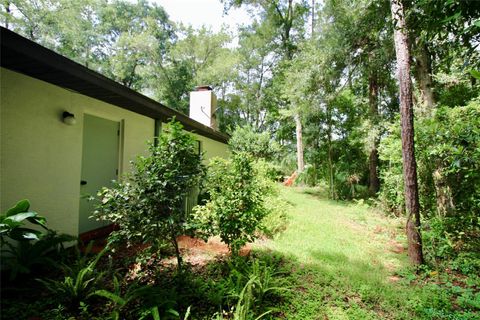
27,57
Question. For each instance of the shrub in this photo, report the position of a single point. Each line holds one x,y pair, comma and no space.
33,248
77,285
12,223
149,205
257,144
251,287
237,200
26,256
448,157
153,299
276,217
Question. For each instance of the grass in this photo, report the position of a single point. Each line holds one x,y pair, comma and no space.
335,260
346,262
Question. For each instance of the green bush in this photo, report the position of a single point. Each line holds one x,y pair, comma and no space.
78,284
257,144
250,287
152,299
12,223
309,176
276,218
25,249
236,204
448,158
149,205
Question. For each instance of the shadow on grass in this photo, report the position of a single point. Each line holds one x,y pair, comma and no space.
321,194
335,281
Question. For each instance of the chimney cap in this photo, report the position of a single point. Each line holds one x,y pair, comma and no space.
203,88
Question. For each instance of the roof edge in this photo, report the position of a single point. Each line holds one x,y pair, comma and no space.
47,65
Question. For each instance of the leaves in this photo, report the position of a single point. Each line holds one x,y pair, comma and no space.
21,206
475,73
149,205
236,204
12,222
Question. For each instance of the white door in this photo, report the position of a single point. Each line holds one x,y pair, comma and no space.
99,164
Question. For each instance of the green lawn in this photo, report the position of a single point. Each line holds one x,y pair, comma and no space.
345,261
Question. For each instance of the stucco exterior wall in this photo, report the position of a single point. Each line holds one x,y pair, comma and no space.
212,148
40,156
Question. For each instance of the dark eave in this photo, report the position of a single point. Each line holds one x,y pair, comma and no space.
24,56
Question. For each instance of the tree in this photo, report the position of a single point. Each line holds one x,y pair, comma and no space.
287,22
259,145
407,128
236,205
197,57
149,206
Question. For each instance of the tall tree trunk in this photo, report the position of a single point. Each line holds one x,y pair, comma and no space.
313,18
330,170
424,79
408,148
331,174
374,181
173,238
298,129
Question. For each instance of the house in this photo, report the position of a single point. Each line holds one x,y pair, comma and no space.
66,131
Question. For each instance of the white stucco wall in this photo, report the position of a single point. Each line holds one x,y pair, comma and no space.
212,148
40,156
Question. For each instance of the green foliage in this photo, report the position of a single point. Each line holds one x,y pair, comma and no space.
25,257
12,223
78,283
236,205
257,144
455,87
152,299
447,147
149,205
250,287
32,249
276,218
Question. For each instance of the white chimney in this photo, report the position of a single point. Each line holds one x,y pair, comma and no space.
203,104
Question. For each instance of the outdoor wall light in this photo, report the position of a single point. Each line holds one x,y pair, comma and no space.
69,118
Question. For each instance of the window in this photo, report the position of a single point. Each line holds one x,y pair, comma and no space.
199,146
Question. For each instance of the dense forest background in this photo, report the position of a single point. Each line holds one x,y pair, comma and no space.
312,86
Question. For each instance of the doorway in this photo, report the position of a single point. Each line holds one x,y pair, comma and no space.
100,161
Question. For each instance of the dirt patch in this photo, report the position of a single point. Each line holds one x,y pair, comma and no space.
193,248
394,278
378,230
355,226
195,252
395,247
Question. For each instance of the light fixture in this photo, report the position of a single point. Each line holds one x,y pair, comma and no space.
69,118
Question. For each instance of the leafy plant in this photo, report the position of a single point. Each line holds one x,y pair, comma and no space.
12,223
236,206
32,248
257,144
26,256
150,297
77,285
246,300
251,286
276,219
149,205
